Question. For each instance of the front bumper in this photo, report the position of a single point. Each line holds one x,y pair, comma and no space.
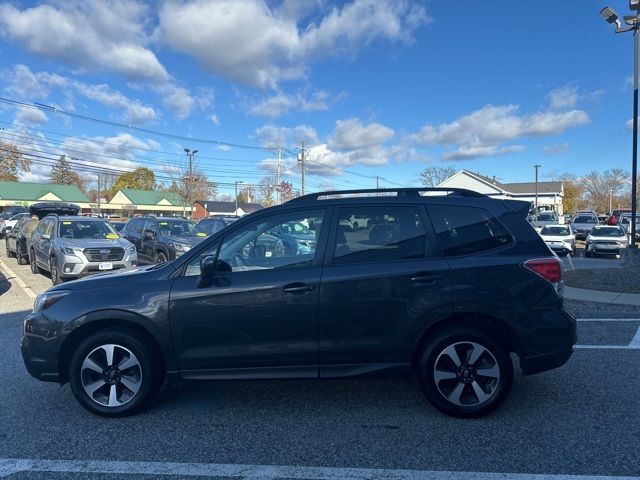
602,250
39,346
76,266
554,344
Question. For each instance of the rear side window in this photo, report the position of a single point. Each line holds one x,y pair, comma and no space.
379,234
467,230
135,226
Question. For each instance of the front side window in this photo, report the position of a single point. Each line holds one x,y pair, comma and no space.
178,228
466,230
266,244
82,229
383,234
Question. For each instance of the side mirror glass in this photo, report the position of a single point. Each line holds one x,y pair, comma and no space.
209,266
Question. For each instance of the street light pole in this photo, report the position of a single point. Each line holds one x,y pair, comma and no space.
610,200
236,185
536,167
189,184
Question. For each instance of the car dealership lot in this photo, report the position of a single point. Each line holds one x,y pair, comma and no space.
579,419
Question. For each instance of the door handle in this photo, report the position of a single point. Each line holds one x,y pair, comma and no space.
425,278
297,288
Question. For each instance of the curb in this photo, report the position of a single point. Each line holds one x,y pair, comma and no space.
611,298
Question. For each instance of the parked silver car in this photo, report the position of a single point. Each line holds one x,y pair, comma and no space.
582,224
605,239
541,219
559,238
69,247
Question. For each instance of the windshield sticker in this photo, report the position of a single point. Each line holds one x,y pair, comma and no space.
66,223
112,236
164,223
201,234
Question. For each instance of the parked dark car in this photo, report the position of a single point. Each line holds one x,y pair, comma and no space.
11,238
118,226
460,282
162,239
211,225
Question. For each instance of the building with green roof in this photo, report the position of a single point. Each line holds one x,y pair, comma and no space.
129,201
27,193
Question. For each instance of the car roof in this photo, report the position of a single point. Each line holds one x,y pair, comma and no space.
556,225
68,218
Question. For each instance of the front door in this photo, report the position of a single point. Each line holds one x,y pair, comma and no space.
149,241
381,286
259,317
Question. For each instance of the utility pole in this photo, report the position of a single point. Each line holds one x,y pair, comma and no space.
302,160
189,184
377,182
610,200
536,167
99,194
236,184
277,176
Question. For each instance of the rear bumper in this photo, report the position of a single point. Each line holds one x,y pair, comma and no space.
558,343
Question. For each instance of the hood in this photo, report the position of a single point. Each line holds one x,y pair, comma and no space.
557,238
83,243
105,279
191,241
584,226
599,238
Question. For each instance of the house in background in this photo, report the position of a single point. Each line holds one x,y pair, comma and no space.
129,202
550,194
27,193
208,208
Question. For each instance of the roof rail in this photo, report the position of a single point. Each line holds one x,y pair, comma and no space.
401,192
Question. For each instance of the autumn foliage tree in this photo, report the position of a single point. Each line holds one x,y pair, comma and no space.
12,162
140,179
62,174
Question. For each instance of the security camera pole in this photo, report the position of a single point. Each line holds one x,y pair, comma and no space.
633,24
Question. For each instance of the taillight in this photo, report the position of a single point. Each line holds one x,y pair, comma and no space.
548,268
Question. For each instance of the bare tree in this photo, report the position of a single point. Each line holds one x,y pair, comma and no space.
12,162
268,189
435,175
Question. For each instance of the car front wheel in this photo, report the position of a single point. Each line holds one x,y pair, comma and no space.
465,373
114,374
32,260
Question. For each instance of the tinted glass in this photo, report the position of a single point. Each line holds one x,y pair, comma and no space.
135,226
193,268
546,217
177,228
211,226
555,231
467,230
261,244
584,219
75,229
608,232
382,234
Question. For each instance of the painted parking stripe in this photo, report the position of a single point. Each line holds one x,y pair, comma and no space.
13,276
264,472
634,344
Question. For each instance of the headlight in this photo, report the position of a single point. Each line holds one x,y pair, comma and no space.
46,299
70,251
181,247
132,250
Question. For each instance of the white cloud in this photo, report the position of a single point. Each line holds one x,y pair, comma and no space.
282,103
26,84
93,35
351,134
563,97
272,136
133,110
556,149
177,100
258,45
26,116
483,132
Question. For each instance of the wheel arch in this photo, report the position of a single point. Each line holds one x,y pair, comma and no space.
498,329
107,321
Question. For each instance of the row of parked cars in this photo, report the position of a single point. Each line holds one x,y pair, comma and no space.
600,238
53,238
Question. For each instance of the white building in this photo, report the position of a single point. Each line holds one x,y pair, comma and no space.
549,193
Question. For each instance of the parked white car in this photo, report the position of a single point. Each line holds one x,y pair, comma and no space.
559,238
605,239
11,222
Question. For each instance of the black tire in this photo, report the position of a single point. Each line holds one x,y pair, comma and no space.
9,254
459,337
149,376
55,273
162,258
355,226
34,264
21,257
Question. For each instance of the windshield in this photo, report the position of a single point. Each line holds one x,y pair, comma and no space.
545,217
178,228
584,219
79,229
607,232
555,231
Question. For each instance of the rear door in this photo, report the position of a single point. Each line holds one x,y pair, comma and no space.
43,245
382,283
132,232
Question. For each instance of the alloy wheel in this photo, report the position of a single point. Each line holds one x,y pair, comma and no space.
467,374
111,375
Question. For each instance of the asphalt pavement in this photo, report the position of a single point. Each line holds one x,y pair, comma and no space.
581,419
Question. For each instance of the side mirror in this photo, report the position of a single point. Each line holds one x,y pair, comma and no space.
209,266
149,234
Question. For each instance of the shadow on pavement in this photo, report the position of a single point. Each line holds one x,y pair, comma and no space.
5,285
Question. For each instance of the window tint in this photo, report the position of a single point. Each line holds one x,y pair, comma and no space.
379,234
42,226
135,225
193,268
466,230
149,225
555,231
80,229
265,243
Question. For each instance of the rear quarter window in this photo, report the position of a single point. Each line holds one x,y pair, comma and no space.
464,230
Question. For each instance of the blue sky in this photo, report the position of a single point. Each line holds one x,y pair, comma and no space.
374,87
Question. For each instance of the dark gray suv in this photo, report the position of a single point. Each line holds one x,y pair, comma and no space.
446,285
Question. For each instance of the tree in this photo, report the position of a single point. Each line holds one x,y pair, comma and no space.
599,187
573,192
268,189
247,194
434,175
12,163
141,178
286,191
62,174
195,187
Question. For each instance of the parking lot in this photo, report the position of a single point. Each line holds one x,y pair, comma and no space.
578,420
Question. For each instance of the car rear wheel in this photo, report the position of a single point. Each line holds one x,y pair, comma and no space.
465,373
9,253
114,374
32,260
162,258
22,259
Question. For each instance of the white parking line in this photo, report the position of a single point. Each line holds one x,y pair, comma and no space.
263,472
13,276
634,344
